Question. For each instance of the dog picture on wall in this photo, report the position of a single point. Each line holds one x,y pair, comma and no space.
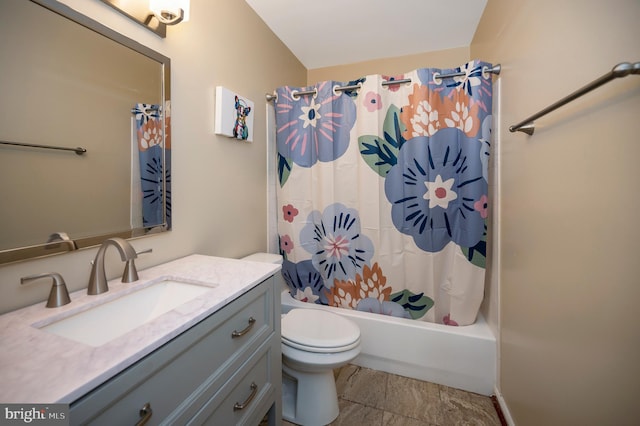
234,115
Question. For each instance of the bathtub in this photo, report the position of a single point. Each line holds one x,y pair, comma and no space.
460,357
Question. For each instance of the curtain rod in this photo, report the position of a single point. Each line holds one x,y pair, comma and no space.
494,70
77,150
621,70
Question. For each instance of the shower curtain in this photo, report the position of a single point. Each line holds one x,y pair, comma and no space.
150,156
382,192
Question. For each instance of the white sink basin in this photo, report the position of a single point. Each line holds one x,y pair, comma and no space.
103,323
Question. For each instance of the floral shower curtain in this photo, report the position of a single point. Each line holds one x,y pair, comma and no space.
150,156
382,192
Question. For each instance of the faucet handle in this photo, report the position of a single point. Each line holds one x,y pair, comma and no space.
130,273
58,296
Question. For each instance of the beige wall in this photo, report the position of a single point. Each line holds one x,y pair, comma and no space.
219,185
570,340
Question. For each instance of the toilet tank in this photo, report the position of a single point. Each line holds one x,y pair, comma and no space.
269,258
264,257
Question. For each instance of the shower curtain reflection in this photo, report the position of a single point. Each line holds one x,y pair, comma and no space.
153,188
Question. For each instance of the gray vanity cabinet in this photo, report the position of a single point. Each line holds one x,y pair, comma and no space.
226,370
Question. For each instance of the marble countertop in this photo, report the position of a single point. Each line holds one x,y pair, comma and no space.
40,367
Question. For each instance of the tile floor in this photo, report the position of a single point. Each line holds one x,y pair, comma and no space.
373,398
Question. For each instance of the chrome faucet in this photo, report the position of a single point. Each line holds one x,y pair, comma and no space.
98,279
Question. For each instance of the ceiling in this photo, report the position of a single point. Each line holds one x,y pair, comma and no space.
323,33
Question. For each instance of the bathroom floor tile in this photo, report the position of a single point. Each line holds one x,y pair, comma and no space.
374,398
352,413
391,419
362,385
413,398
466,408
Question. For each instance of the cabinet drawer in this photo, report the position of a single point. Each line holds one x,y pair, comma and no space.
242,400
171,377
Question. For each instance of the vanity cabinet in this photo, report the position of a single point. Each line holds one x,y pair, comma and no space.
225,370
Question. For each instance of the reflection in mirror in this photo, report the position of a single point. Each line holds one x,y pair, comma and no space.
74,83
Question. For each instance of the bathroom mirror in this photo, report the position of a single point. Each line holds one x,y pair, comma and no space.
84,133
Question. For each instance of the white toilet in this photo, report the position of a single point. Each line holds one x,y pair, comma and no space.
314,342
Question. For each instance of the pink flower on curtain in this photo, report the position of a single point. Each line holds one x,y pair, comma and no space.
392,87
286,244
482,206
372,102
446,320
289,212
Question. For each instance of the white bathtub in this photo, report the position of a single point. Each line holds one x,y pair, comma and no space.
460,357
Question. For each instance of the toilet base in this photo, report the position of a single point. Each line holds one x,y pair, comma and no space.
309,399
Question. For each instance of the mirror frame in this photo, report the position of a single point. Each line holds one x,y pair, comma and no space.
60,247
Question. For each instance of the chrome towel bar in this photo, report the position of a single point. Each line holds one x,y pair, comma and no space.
77,150
621,70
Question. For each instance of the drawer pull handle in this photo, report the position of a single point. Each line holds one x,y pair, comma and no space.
245,331
254,391
145,412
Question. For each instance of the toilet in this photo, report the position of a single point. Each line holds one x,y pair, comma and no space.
314,342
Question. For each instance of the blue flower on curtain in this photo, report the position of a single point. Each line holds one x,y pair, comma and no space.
472,77
373,305
304,281
338,249
433,189
472,80
313,128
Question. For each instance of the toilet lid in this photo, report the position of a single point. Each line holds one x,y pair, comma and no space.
319,330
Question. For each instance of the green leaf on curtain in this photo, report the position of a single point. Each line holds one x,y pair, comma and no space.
377,154
477,254
381,154
394,128
415,304
284,169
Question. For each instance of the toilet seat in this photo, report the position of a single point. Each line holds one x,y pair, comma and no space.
318,331
320,350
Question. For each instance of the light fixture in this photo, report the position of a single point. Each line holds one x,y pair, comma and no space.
154,15
170,12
